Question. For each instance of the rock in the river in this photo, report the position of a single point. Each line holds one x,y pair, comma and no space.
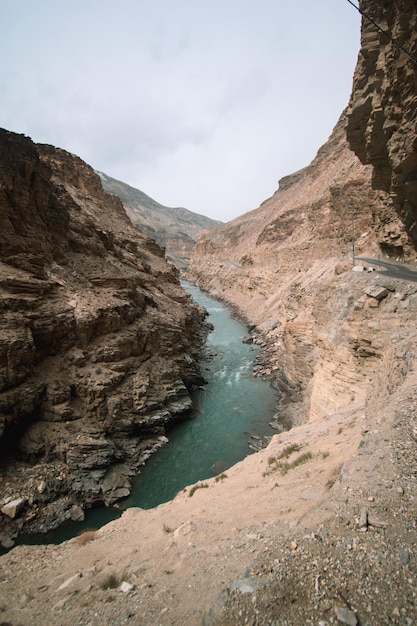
77,514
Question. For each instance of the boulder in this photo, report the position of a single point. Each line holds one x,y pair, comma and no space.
13,508
77,513
376,291
6,542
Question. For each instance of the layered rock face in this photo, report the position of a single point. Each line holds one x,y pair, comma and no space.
176,229
286,267
382,120
98,341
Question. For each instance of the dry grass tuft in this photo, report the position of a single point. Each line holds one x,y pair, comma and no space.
333,477
195,487
276,463
167,529
220,477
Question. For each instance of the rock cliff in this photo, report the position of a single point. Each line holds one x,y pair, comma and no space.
98,342
286,267
382,118
176,229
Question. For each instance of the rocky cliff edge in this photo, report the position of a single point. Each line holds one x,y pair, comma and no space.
98,341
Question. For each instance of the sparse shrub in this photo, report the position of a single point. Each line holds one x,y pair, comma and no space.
110,582
294,447
195,487
276,463
167,529
220,477
284,454
303,458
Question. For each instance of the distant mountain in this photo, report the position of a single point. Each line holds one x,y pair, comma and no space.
175,229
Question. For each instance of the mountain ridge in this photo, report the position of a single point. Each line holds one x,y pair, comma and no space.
174,228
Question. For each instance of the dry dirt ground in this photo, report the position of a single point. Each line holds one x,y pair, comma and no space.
319,528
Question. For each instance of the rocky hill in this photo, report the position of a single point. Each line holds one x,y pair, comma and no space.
176,229
98,342
320,527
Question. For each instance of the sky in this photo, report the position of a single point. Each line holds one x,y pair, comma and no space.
200,104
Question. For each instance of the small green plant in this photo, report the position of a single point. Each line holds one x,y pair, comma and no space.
195,487
167,529
325,454
220,477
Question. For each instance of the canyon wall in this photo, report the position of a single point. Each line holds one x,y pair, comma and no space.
382,117
286,268
99,344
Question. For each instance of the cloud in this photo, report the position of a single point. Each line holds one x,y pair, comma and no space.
198,104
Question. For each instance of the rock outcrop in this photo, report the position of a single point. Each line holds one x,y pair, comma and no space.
98,341
382,119
176,229
286,267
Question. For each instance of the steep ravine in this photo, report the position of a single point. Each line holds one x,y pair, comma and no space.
286,267
320,527
99,343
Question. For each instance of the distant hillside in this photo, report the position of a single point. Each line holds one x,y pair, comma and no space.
174,228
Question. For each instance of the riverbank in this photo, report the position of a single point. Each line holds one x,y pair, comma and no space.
231,417
258,544
319,525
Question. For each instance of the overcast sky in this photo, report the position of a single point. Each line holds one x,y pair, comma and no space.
202,104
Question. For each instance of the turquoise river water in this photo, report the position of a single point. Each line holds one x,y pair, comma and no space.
233,406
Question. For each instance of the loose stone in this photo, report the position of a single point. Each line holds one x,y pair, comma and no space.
125,587
13,508
346,616
404,555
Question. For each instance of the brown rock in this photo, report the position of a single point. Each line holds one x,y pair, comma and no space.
382,113
99,342
13,508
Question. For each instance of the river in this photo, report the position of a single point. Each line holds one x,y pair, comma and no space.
232,408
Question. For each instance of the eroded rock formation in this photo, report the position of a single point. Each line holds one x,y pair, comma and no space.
98,341
382,120
286,268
